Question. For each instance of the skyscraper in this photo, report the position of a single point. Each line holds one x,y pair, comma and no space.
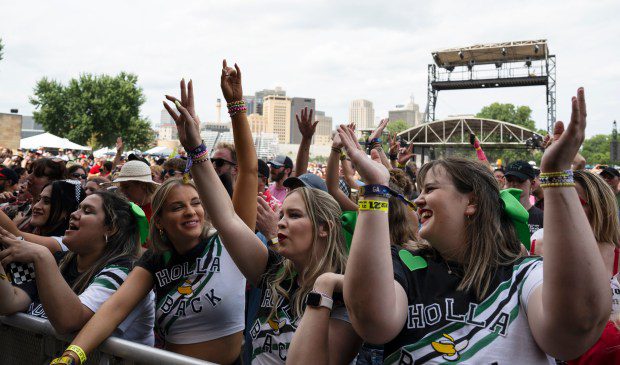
297,104
250,103
410,113
260,95
323,134
362,114
277,116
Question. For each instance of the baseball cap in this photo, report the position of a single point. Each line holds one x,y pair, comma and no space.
521,169
308,180
610,171
9,174
282,160
263,168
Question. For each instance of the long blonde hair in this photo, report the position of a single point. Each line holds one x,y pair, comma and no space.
603,207
324,212
159,240
491,239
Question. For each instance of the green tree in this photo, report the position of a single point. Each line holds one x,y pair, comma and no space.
596,149
397,126
520,115
94,109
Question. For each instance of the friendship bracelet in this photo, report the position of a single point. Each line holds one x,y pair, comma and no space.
235,103
202,148
337,150
373,205
557,185
557,179
557,173
78,351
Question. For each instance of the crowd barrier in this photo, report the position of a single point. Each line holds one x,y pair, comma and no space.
30,340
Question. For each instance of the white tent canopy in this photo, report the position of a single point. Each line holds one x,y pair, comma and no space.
159,150
48,140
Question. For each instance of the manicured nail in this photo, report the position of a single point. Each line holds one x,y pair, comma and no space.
176,102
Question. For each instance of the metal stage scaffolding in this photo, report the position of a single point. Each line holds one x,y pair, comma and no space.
508,64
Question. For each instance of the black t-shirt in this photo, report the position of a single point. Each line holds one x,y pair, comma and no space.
445,324
535,220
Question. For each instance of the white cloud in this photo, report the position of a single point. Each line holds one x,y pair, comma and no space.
333,51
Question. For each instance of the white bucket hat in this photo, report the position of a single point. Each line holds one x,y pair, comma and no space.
135,171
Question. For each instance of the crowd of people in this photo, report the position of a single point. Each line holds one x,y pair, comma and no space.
367,259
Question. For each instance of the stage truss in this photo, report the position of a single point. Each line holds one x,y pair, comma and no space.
508,64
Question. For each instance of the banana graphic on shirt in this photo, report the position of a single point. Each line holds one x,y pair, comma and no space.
185,288
276,325
448,348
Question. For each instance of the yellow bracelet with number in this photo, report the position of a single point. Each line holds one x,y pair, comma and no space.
78,351
373,205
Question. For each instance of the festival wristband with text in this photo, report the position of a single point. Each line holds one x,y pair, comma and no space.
373,205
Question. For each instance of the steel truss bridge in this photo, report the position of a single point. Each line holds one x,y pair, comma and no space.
454,132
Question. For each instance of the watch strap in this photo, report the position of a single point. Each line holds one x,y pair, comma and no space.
325,301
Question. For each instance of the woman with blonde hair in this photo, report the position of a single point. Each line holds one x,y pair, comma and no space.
309,244
199,289
473,297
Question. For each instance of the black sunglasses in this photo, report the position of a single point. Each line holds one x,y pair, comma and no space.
219,162
78,176
170,172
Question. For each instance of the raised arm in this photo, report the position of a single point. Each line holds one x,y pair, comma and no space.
244,193
473,140
320,339
567,319
369,286
375,140
307,129
114,311
119,153
332,176
246,249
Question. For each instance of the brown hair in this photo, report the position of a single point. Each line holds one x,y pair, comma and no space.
603,207
230,147
402,229
491,239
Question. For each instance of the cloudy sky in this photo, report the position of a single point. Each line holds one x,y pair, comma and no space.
334,51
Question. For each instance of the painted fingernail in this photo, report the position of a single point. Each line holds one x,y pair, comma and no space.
176,102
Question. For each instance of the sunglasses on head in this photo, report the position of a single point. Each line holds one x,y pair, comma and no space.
78,176
219,162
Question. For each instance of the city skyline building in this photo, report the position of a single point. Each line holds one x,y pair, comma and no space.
362,113
257,123
297,104
260,95
409,113
323,134
277,116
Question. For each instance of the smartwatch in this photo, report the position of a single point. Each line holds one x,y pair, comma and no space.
316,299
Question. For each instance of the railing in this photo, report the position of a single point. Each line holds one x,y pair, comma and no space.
26,339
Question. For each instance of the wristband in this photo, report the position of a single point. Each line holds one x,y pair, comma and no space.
199,150
557,179
337,150
375,140
78,351
373,205
375,190
63,360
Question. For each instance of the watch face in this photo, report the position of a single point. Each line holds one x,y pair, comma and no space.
313,299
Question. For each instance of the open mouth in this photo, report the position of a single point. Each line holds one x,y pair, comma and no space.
425,215
73,227
281,237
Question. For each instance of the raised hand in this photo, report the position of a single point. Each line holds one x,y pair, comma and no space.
266,218
405,154
18,250
379,131
393,145
305,124
187,122
119,144
371,171
336,141
566,142
231,83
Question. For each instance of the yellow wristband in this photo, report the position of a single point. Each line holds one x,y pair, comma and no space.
4,277
373,205
78,351
401,165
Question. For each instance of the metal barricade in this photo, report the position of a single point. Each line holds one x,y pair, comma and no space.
29,340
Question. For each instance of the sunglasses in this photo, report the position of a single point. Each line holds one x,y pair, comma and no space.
79,176
170,172
219,162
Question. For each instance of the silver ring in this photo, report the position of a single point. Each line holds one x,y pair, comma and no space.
19,238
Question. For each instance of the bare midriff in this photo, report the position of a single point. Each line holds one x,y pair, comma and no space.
224,350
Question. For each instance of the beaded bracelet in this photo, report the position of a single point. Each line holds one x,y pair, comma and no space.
557,179
235,103
198,150
337,150
373,205
235,107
